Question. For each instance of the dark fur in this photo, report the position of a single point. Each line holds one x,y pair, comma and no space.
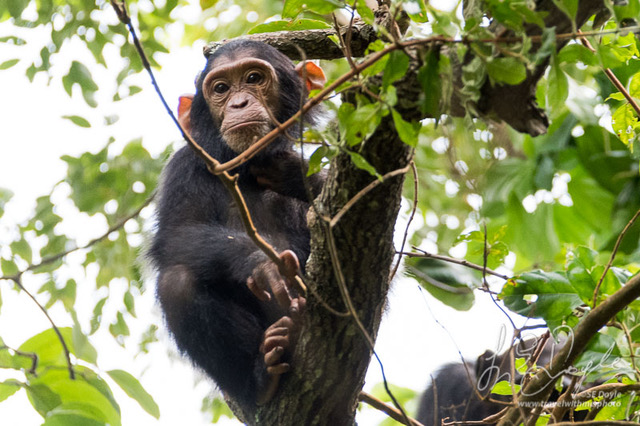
456,399
201,251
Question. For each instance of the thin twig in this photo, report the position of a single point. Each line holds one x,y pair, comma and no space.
613,256
411,216
364,191
448,259
65,348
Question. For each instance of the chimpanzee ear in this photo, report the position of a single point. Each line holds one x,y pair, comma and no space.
184,112
312,75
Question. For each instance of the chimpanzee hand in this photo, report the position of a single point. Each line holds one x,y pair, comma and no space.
266,276
280,338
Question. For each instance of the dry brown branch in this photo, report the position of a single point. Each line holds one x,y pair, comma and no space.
387,409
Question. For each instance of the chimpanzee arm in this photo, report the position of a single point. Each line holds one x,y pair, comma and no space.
284,172
192,214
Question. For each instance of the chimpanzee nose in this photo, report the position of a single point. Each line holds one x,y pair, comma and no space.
239,101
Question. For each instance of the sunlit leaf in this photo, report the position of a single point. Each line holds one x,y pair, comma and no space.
134,389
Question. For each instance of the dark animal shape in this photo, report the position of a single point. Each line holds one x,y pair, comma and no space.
229,308
451,395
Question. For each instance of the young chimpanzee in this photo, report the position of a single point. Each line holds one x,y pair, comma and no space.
229,307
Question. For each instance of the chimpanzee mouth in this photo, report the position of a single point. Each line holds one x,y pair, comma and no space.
246,124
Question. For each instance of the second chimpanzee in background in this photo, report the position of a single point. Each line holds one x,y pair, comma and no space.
451,396
226,304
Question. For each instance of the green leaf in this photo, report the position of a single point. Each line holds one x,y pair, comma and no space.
293,7
557,85
569,7
365,12
295,25
120,328
431,84
451,284
506,70
572,53
8,388
624,122
134,389
8,64
9,268
416,10
361,163
48,347
396,67
96,318
42,398
75,414
22,249
538,294
77,120
129,303
80,74
407,131
504,388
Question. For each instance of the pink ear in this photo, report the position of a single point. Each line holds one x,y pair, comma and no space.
312,75
184,112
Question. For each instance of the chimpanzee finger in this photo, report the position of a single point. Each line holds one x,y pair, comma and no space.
290,266
275,342
257,291
297,308
273,356
279,369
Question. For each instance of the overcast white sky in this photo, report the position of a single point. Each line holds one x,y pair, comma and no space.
411,344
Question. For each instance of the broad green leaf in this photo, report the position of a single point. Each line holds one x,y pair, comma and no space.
538,294
504,388
83,349
134,389
431,84
77,120
8,388
22,249
451,284
74,413
48,347
42,398
557,85
396,67
624,122
576,52
9,268
407,131
129,303
569,7
8,64
295,25
80,392
80,74
316,160
506,70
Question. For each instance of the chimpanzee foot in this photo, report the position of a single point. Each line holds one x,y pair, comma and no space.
279,339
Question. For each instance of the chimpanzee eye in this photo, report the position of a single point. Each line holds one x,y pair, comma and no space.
220,88
254,78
